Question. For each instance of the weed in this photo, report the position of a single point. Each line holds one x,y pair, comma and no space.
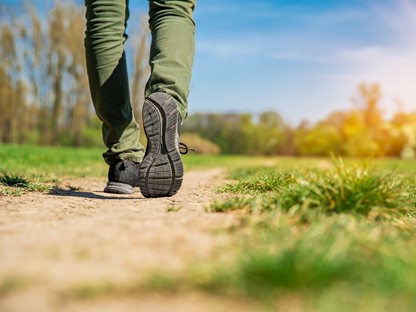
236,203
11,191
10,179
173,208
12,283
158,281
263,182
16,185
93,290
353,188
356,189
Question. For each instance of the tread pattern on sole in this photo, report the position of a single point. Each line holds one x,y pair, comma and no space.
161,171
118,188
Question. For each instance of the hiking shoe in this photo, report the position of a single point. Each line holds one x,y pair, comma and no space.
161,171
122,177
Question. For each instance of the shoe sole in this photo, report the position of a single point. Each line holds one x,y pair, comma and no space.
118,188
161,171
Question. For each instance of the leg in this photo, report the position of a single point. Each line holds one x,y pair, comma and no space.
172,49
107,72
171,58
109,85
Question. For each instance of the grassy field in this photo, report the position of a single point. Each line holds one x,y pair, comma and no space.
49,164
314,234
341,238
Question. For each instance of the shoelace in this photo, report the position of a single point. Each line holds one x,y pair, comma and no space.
184,149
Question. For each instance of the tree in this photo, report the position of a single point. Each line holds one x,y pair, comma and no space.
12,88
321,140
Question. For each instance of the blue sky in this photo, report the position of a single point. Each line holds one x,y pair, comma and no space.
302,58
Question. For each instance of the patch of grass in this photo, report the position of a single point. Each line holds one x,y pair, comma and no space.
50,164
11,191
337,253
173,208
336,260
331,236
13,283
94,290
311,261
232,204
262,182
16,185
10,179
105,288
40,187
355,188
158,281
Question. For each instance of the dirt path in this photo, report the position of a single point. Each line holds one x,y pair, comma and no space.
78,234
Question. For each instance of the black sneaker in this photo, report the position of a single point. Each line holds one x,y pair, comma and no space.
161,171
122,177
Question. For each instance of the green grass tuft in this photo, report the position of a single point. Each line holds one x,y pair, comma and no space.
10,179
94,290
354,188
173,208
16,185
12,283
263,182
232,204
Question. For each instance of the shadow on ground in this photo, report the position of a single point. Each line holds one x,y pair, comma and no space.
90,195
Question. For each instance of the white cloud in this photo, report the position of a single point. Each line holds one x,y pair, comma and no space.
392,64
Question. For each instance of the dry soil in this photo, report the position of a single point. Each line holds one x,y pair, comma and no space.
50,243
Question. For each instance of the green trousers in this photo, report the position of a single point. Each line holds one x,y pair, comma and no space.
171,57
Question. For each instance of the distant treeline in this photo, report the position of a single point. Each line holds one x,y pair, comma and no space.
44,99
360,131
